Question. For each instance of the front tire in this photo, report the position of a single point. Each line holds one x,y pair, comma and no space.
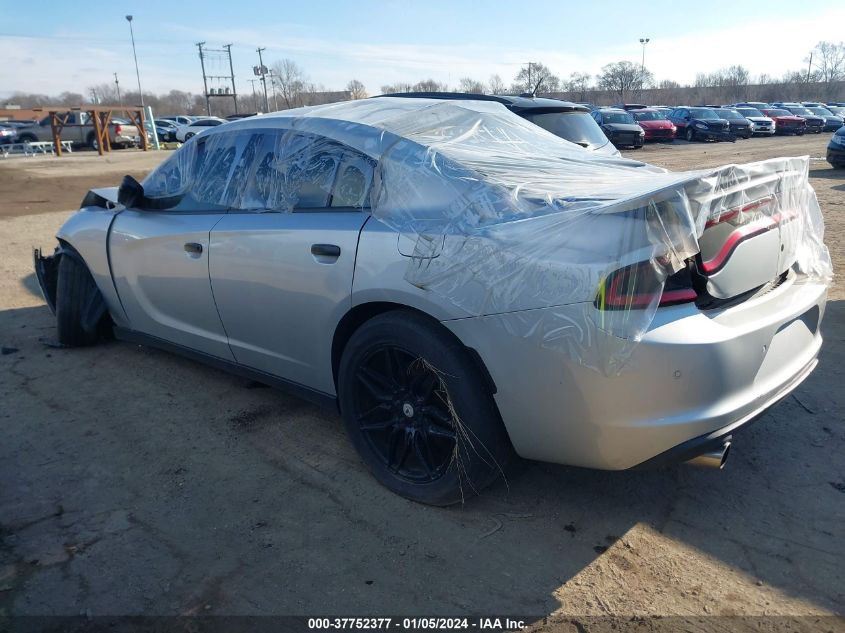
418,410
689,134
79,305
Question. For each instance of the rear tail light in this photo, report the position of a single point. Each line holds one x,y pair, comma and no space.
735,215
118,130
639,285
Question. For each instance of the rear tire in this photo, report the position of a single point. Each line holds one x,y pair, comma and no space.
75,291
418,410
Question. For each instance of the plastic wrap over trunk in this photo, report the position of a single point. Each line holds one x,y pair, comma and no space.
508,218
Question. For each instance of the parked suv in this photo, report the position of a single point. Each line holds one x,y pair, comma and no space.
762,125
836,149
620,127
832,121
739,126
785,121
813,124
570,121
700,124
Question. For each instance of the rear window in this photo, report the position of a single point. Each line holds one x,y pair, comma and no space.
575,127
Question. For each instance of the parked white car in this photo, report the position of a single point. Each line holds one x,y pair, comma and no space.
184,132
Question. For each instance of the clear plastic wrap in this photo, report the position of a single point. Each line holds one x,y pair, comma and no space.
507,217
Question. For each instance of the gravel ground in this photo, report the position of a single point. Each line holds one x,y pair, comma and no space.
135,482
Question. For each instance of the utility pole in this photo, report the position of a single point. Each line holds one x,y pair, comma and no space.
134,54
254,96
262,70
809,67
228,48
117,85
204,80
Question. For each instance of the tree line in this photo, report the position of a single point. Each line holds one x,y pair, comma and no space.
288,86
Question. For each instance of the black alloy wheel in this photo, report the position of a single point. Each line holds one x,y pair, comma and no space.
403,411
419,409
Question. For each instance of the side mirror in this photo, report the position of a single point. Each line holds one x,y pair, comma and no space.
130,193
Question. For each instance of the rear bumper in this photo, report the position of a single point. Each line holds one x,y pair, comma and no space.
693,374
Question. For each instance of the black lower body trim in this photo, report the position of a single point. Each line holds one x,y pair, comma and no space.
294,388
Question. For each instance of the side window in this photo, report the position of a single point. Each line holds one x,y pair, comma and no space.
314,177
287,171
354,178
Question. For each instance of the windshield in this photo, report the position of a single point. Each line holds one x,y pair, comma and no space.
837,110
576,127
728,114
821,111
797,110
649,116
617,117
746,112
703,113
779,112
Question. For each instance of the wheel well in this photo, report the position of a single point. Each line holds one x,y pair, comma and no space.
362,313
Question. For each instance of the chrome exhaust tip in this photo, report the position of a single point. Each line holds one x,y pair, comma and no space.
713,459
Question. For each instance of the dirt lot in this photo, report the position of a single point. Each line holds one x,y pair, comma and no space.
133,481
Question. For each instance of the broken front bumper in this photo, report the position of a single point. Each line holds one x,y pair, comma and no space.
47,272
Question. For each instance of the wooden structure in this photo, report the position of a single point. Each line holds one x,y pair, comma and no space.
99,118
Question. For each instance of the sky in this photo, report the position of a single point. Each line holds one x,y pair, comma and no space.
71,46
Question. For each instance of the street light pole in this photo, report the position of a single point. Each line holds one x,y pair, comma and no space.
643,41
135,55
117,85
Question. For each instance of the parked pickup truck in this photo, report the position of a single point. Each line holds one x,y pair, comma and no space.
121,133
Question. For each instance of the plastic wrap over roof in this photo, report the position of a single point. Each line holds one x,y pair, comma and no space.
508,217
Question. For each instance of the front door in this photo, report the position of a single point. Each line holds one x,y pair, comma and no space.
160,267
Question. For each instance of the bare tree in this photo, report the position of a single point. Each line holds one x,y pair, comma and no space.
356,90
536,78
828,60
430,85
397,87
468,84
578,84
290,80
624,78
496,85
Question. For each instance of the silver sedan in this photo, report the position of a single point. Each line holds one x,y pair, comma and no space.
462,285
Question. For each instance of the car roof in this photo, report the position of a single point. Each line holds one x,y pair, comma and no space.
614,109
512,102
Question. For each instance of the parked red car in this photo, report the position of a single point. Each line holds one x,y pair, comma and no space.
785,121
655,124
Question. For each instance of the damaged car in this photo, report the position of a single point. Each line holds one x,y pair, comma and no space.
461,285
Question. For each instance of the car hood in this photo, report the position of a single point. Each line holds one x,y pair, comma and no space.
622,127
656,125
714,123
759,119
790,117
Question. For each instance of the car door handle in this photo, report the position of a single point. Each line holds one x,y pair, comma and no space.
325,250
194,248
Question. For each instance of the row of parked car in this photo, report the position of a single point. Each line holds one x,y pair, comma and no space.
632,124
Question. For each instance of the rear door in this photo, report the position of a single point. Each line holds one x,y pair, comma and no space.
282,260
160,257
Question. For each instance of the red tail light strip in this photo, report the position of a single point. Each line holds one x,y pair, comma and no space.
729,215
743,233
